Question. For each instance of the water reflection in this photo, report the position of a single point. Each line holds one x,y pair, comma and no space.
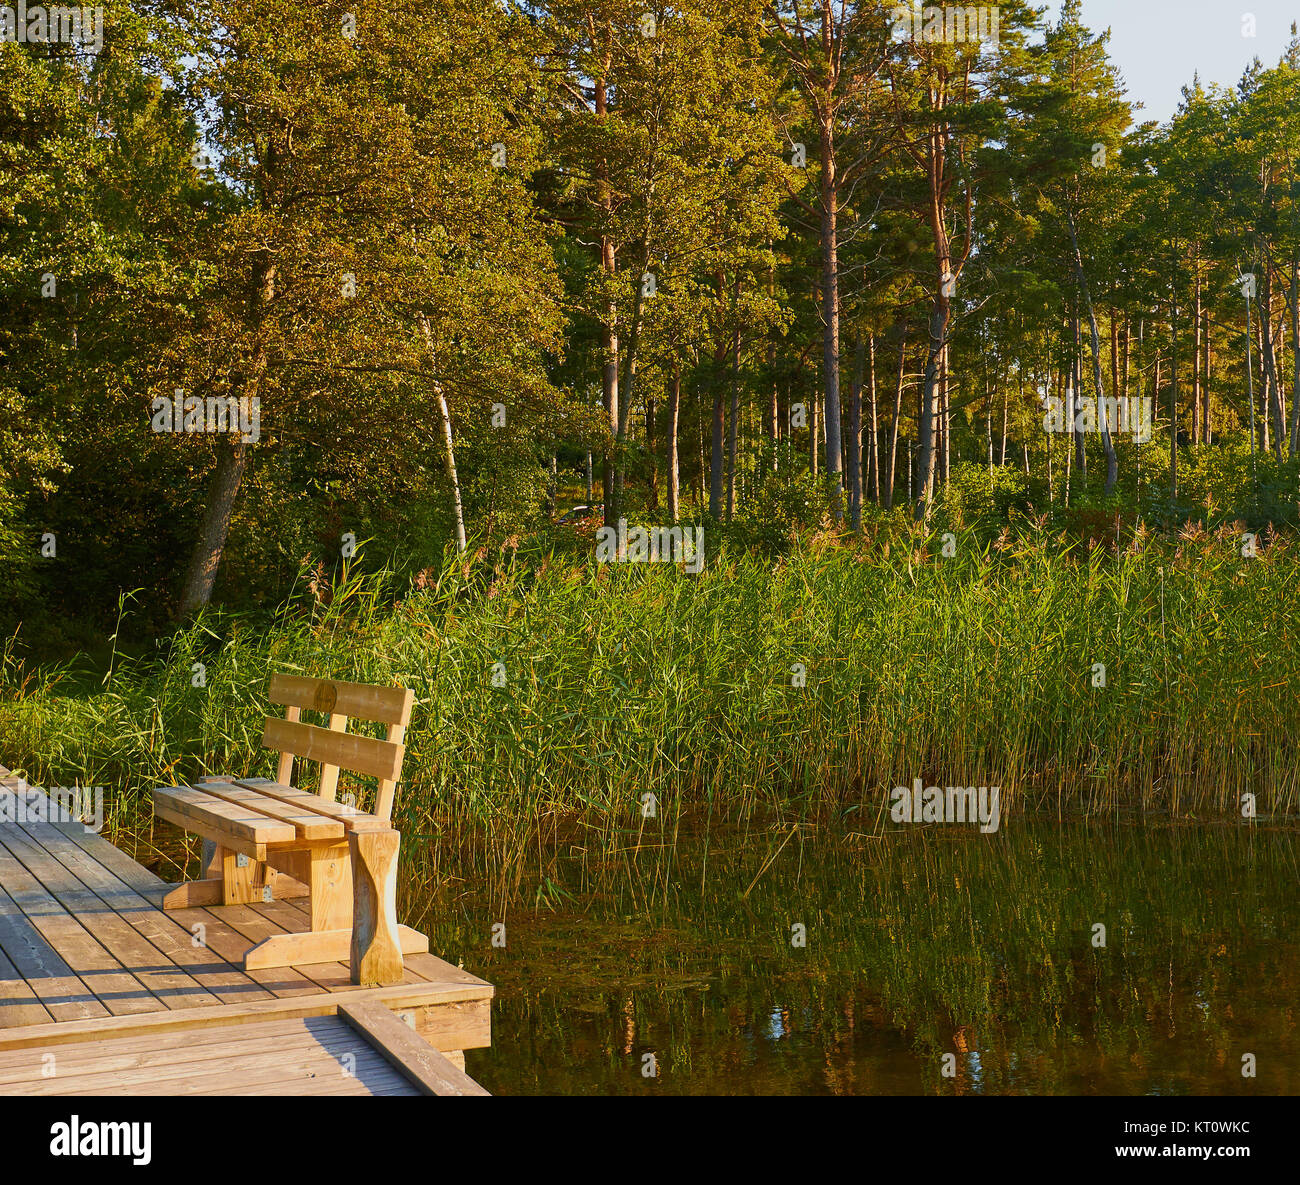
918,945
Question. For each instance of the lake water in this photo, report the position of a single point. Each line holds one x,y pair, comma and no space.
934,961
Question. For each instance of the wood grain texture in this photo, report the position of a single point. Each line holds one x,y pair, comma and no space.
363,701
376,950
361,754
420,1062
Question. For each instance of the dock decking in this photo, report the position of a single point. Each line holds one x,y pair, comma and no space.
102,992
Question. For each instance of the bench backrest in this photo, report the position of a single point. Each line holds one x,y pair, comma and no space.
334,747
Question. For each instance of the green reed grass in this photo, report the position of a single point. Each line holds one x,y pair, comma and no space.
623,679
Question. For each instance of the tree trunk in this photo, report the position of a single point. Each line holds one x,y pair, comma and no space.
814,436
717,454
945,421
205,559
449,451
898,415
988,416
1108,445
1207,429
445,413
1076,378
674,408
939,313
873,459
232,458
1295,356
699,426
1173,393
1114,350
854,465
716,448
773,424
652,456
734,425
1002,456
1272,382
831,307
609,329
1196,359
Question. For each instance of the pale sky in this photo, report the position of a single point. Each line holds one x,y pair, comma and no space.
1159,44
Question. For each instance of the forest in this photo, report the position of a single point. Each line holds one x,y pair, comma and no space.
294,291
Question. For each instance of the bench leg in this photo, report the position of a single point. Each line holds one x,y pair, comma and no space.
239,879
376,955
330,881
224,882
329,870
321,946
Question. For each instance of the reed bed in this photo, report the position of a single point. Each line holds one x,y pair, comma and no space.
803,688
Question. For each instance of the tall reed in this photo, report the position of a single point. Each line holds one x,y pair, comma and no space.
802,688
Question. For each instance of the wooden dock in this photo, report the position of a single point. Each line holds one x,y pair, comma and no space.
104,993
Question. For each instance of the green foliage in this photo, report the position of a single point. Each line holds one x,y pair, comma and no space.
977,668
983,498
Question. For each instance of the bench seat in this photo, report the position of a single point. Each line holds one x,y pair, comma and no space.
253,815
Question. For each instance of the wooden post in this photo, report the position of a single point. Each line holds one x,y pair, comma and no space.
329,877
376,948
239,884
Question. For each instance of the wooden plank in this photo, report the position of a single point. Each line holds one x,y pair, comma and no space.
387,787
351,751
194,894
393,1084
312,1073
52,981
196,826
174,987
19,1005
364,701
306,824
165,931
351,817
456,1026
228,817
437,970
420,1062
472,1031
321,946
367,1073
307,1066
114,860
77,1064
140,1048
120,992
223,933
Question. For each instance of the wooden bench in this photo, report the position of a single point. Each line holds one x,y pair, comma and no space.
271,839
